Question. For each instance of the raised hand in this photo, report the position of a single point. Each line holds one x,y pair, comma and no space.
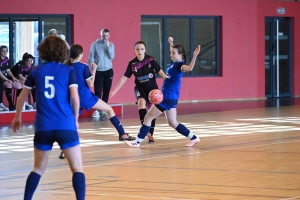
170,40
197,50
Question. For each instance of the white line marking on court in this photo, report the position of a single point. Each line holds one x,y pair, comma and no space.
159,157
298,197
95,194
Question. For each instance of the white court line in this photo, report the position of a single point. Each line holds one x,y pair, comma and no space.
217,137
95,194
159,157
298,197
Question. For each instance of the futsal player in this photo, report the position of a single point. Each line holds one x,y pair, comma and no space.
144,68
88,100
171,91
56,120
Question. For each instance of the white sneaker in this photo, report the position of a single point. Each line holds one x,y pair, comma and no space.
96,114
104,116
3,107
28,106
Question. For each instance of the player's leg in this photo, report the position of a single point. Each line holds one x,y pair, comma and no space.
73,155
142,99
107,83
153,113
171,116
40,165
8,93
101,105
98,85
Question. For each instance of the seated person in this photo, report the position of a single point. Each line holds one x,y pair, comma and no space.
9,81
21,70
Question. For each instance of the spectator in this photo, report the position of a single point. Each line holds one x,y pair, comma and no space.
102,52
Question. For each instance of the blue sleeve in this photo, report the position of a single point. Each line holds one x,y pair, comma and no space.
87,73
72,78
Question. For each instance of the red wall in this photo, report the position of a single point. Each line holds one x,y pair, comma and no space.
242,34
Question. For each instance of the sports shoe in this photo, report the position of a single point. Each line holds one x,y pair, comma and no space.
12,108
150,138
28,106
61,156
192,142
96,114
126,136
3,107
103,116
133,143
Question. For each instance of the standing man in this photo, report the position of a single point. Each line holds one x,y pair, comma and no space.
101,53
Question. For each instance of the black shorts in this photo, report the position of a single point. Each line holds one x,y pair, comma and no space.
140,93
43,140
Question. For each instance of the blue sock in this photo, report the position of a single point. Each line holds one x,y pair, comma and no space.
144,130
182,130
32,182
117,124
78,181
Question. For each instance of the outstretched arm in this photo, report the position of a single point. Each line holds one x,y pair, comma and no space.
171,40
119,85
188,68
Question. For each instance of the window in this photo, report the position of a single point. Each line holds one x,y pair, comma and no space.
22,33
189,31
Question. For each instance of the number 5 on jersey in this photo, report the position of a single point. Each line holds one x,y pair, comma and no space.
50,94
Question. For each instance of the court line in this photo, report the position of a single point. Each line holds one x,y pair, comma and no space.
217,137
159,157
298,197
95,194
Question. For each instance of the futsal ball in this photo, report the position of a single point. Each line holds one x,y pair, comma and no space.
155,96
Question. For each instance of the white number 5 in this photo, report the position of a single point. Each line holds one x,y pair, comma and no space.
50,94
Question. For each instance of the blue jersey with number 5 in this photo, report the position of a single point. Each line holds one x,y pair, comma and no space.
53,107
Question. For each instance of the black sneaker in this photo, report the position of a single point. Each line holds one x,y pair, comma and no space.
150,138
12,108
61,156
126,136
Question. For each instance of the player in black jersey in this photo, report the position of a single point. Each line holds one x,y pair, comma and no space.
144,68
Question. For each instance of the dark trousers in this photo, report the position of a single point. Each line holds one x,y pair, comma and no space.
103,82
1,90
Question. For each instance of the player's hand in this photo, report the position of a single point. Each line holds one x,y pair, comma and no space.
77,124
197,50
170,40
15,125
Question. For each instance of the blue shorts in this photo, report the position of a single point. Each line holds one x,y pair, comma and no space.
167,104
43,140
87,100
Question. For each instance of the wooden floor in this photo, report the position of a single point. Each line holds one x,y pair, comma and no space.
243,154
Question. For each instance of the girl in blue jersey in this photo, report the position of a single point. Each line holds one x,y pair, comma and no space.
171,91
56,87
144,68
88,100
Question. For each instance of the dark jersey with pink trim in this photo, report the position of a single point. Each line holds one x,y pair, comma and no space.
4,65
144,72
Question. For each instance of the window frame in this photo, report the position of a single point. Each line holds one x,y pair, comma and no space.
166,49
39,17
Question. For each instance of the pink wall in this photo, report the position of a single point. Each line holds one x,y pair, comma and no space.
242,38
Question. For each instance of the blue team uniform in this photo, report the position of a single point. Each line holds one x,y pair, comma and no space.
171,86
54,120
87,98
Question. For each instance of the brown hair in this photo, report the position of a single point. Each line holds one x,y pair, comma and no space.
53,48
75,50
180,50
